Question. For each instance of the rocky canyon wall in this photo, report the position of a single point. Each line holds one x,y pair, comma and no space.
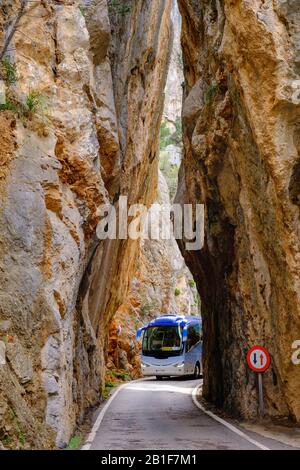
173,90
162,284
241,140
79,127
171,129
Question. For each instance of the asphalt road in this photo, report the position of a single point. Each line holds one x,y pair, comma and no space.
152,415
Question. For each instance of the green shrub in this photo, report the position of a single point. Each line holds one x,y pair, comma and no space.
34,101
19,430
8,71
109,384
74,443
8,106
210,93
169,138
119,8
177,292
7,441
82,10
192,283
121,375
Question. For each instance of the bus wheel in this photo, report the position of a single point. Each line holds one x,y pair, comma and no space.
159,377
197,371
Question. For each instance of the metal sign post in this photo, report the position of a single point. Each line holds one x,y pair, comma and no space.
261,395
259,360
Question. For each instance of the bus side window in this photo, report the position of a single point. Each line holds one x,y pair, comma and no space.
193,336
145,341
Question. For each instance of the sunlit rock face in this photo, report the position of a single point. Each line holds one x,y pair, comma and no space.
241,141
173,90
90,136
162,284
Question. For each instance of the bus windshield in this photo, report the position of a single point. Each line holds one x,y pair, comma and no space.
162,341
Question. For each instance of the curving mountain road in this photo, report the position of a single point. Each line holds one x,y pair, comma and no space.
151,415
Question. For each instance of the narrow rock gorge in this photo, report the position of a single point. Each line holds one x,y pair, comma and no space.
86,117
162,282
241,142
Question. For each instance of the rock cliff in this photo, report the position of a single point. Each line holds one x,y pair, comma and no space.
241,140
162,284
81,101
79,127
173,90
171,129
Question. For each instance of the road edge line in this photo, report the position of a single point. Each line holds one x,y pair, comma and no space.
90,439
225,423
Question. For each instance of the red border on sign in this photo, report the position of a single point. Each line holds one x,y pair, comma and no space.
264,350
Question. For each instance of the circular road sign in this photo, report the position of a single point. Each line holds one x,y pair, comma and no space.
258,359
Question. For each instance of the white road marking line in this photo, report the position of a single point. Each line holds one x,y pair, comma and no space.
225,423
92,435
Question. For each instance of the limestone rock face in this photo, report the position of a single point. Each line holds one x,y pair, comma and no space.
241,139
173,90
76,137
141,35
162,285
50,190
171,129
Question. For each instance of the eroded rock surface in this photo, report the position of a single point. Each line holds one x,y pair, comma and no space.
162,285
241,139
90,136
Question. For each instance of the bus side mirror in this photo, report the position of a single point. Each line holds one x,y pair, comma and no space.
140,332
184,334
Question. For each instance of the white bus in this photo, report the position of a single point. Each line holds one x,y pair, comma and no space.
172,346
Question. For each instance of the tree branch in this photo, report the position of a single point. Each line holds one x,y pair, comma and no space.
14,28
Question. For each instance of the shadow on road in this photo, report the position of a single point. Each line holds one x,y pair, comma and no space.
174,379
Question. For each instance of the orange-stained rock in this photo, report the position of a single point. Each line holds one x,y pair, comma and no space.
92,136
241,139
162,285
